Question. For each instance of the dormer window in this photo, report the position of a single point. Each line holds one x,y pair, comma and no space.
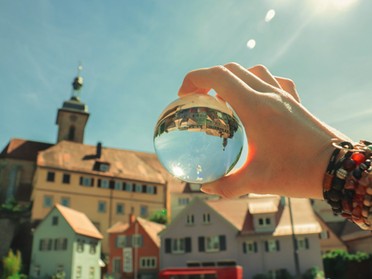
264,221
101,166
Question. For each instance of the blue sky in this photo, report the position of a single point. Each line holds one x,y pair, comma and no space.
136,53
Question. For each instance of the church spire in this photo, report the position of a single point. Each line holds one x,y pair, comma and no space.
73,116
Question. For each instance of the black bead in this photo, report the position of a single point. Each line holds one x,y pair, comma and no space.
357,173
338,183
334,195
349,194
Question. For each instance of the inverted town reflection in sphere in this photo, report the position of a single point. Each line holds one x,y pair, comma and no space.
198,138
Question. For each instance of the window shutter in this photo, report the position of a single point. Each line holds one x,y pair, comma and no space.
128,241
155,190
222,242
255,247
188,244
245,247
112,184
41,244
81,180
99,182
277,245
266,246
307,243
201,244
91,181
65,244
168,247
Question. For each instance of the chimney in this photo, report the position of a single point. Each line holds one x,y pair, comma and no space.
132,218
99,150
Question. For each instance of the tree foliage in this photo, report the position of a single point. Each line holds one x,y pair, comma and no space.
12,265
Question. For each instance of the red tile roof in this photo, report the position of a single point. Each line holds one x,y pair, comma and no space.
79,222
23,149
152,228
82,158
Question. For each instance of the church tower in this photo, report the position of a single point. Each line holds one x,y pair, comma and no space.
73,116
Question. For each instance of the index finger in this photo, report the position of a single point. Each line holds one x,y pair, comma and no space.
227,85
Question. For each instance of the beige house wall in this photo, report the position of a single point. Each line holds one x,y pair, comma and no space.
86,199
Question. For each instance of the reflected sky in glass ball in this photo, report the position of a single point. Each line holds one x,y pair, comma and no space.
198,138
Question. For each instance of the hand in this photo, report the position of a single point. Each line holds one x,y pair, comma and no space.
288,147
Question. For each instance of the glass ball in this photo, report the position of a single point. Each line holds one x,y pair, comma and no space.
198,138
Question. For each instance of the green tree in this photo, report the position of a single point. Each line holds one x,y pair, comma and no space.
159,216
12,265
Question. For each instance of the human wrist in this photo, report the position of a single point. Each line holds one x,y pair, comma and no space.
347,182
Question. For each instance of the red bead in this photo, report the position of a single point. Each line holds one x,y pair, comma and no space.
358,158
350,183
346,206
360,190
357,211
358,198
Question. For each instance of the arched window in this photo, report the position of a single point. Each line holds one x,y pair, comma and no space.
71,133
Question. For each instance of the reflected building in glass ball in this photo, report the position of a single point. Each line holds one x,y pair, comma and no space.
198,138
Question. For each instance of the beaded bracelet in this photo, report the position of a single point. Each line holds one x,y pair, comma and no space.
347,186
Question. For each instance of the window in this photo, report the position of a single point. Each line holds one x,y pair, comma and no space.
104,167
151,189
144,211
121,241
178,245
118,185
324,235
103,183
92,247
128,187
60,268
206,218
45,244
272,245
148,262
66,178
86,181
183,201
190,219
120,208
48,201
55,221
212,243
91,272
65,201
138,188
37,271
137,240
250,247
51,176
101,206
78,271
302,243
262,222
71,133
80,245
116,265
60,244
